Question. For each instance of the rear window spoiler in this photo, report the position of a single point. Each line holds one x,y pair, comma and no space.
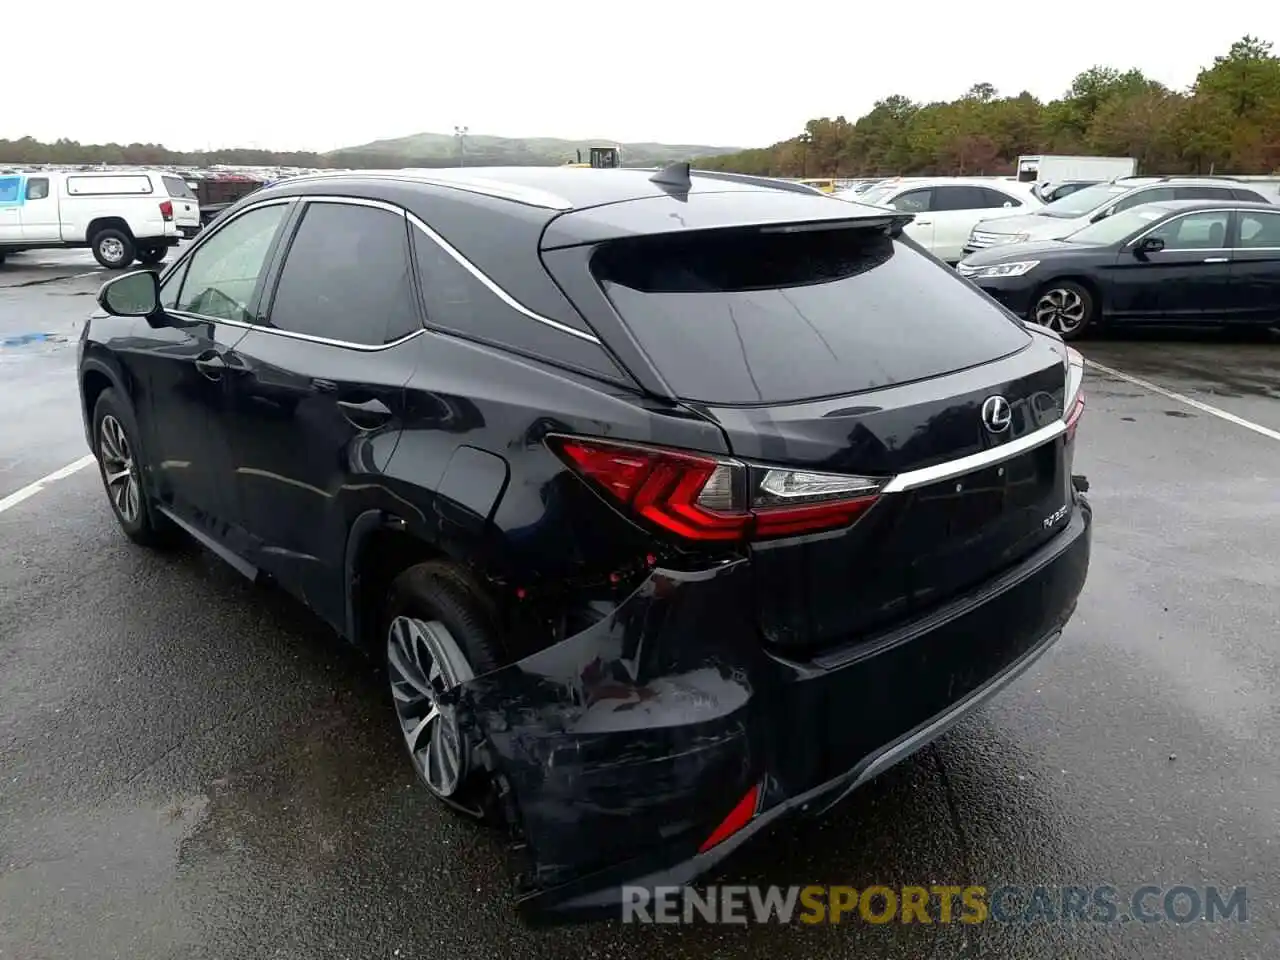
766,209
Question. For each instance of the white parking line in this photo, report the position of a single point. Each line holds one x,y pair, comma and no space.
31,489
1183,398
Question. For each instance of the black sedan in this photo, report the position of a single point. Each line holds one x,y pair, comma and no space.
1183,261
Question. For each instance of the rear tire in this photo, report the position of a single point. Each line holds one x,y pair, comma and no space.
120,465
113,248
1065,307
152,255
440,632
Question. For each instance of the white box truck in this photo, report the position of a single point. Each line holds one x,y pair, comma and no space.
1056,169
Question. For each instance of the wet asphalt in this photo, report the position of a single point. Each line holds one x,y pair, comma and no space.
191,766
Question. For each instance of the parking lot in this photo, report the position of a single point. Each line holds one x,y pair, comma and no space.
190,766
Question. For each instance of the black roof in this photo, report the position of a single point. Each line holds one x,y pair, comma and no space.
559,188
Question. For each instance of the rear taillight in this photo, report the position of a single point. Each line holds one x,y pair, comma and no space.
1073,395
705,498
166,209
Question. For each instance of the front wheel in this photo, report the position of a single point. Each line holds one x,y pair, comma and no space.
1065,307
115,445
440,634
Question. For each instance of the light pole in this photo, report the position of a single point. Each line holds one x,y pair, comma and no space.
461,134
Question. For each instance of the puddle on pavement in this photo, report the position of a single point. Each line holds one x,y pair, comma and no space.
27,339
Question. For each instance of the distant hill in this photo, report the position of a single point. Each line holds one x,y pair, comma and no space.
441,149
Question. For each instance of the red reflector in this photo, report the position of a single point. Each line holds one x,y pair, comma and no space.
738,818
791,521
166,209
1073,418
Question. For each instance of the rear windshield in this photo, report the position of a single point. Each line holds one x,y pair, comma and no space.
177,187
738,317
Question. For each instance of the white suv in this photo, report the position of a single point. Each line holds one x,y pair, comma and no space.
946,208
1077,210
121,215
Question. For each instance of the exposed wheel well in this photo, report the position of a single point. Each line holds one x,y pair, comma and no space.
94,383
384,554
107,223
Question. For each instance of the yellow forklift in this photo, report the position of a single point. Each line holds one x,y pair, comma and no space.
599,158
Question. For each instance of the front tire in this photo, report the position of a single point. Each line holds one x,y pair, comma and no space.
115,445
1065,307
113,248
440,633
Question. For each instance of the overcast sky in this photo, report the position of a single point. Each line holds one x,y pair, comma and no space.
326,74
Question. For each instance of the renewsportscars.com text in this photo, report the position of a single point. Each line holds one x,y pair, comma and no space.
878,904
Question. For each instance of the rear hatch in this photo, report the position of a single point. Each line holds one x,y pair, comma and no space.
186,208
843,349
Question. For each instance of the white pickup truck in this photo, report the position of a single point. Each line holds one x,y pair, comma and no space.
119,215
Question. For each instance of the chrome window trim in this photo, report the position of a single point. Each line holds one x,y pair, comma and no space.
496,290
986,458
420,226
307,337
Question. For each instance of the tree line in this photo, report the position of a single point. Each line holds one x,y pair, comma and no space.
1227,122
28,150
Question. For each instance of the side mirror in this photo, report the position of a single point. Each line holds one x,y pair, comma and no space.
1149,245
1103,214
133,295
1007,203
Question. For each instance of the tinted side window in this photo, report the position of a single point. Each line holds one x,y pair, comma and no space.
913,201
957,198
222,275
1196,231
1249,195
458,302
994,198
1259,230
9,189
37,188
1154,195
347,277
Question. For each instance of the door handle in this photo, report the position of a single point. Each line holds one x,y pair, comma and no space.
1216,259
924,223
367,414
211,365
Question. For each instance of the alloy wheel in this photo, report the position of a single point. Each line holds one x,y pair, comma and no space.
112,249
119,471
1061,309
424,662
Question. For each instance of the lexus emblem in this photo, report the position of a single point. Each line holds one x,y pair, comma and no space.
996,414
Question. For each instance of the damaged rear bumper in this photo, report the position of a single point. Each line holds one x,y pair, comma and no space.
626,745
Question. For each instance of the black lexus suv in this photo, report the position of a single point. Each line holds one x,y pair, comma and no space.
674,502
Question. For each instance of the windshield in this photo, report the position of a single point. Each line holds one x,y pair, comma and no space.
1084,201
1118,226
177,187
875,195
